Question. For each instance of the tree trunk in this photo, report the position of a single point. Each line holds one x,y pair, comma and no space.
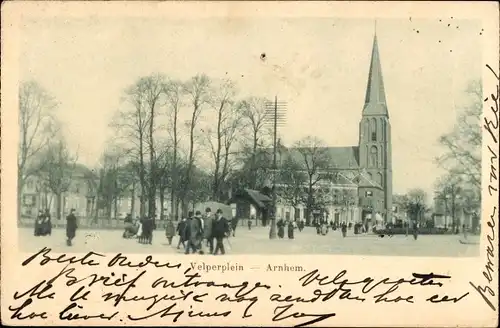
116,208
96,207
132,201
162,200
59,205
253,171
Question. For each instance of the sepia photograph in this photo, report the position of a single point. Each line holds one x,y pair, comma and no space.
249,163
215,136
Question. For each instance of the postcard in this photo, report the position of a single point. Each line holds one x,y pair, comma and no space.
250,164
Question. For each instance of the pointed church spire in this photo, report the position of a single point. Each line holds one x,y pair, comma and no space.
375,103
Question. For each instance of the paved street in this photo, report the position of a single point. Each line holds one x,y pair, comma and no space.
256,241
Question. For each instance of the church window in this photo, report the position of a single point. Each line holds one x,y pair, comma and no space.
373,129
373,156
380,179
366,129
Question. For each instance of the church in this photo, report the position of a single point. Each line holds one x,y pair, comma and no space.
362,188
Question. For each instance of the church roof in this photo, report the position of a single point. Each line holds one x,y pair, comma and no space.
338,157
375,102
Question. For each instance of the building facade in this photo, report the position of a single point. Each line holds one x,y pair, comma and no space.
80,194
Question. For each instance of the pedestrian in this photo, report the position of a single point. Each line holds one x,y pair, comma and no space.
193,232
207,225
71,226
281,228
415,230
48,222
249,224
181,232
291,228
344,229
220,230
169,231
234,225
39,224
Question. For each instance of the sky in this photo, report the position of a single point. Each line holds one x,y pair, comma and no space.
319,66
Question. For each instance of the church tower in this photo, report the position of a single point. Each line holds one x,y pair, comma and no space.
375,141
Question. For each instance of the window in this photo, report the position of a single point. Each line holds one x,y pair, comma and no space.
374,136
287,215
373,156
369,194
30,184
297,213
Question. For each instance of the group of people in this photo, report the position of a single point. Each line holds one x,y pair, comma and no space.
289,224
142,229
43,224
198,233
322,227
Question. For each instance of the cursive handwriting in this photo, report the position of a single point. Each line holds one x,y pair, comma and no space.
169,311
486,292
283,314
19,315
44,252
491,126
344,289
122,261
67,315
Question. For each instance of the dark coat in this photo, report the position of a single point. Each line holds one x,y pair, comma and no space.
193,230
220,227
181,229
207,226
71,226
170,229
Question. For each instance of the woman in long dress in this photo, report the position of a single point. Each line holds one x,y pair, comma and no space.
170,231
281,229
291,227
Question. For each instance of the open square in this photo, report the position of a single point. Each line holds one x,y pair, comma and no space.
257,241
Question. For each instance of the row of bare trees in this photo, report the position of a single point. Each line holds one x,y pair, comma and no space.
186,137
42,151
460,187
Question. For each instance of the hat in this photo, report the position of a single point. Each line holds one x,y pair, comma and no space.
190,213
198,213
208,209
219,211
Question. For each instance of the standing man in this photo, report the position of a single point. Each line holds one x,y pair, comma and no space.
71,227
220,230
194,233
207,225
181,231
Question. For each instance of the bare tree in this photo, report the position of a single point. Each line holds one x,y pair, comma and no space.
222,139
458,195
415,204
57,169
36,129
154,86
463,143
198,91
292,181
315,161
135,126
173,92
116,176
254,121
